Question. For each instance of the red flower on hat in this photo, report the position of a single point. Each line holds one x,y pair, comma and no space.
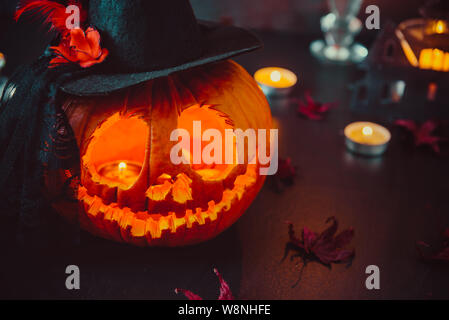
79,47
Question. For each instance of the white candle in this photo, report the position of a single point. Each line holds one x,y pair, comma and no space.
123,172
275,81
367,138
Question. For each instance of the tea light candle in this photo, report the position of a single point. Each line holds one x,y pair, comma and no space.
275,81
122,172
367,138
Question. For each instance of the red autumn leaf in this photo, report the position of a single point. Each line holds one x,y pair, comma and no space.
326,247
313,110
225,291
441,256
80,47
422,134
286,170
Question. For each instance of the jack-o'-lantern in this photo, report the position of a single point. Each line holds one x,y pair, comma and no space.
131,191
116,89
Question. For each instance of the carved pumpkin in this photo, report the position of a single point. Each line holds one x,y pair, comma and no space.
129,189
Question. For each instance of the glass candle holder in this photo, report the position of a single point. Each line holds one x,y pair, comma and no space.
340,27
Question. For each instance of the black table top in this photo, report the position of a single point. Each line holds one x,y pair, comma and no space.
391,202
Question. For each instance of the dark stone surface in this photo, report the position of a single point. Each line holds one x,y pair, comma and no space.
391,202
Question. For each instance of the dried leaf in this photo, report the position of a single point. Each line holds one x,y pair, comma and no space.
284,177
442,255
326,247
313,110
225,291
422,134
286,171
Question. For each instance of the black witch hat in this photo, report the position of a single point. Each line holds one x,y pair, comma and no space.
145,39
152,39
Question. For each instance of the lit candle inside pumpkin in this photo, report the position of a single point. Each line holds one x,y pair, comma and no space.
367,138
275,81
122,172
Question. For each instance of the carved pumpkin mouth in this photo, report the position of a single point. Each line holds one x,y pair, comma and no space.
123,224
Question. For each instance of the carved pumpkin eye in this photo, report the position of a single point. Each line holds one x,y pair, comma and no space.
208,146
116,151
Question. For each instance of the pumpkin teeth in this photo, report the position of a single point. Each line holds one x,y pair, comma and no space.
94,206
190,219
178,222
172,221
126,219
228,196
125,225
152,227
138,228
164,223
211,211
199,216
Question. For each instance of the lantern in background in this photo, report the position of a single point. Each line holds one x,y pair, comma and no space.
129,189
407,71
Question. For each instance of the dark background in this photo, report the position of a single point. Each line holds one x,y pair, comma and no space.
391,202
292,16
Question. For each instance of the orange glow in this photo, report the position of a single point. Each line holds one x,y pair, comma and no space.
408,51
367,131
122,166
434,59
122,173
145,227
180,190
210,118
432,91
116,151
440,27
429,58
276,77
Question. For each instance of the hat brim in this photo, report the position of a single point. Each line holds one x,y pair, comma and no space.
220,43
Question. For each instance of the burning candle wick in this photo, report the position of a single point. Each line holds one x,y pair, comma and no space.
122,166
275,76
439,28
367,131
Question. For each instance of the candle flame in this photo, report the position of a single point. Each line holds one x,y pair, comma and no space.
367,131
275,76
122,166
439,27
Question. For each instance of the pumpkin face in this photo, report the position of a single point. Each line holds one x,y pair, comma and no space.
130,190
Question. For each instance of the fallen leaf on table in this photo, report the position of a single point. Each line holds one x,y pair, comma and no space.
325,247
422,134
225,291
313,110
285,176
286,171
442,255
